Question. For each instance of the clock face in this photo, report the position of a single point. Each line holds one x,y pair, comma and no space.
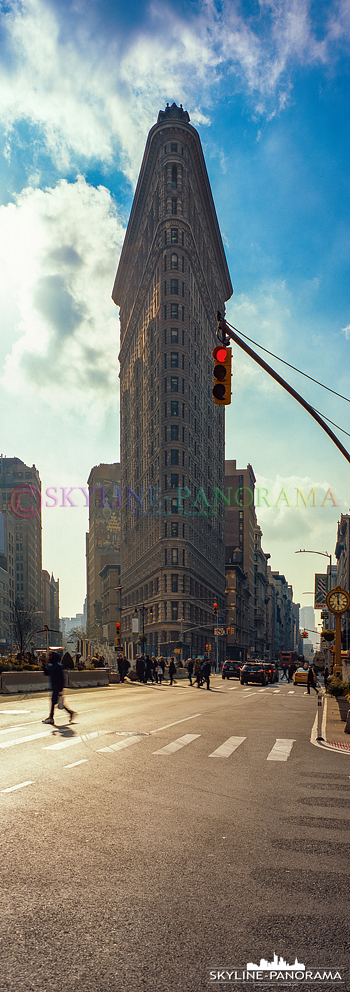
338,600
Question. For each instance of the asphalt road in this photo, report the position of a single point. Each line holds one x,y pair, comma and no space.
169,836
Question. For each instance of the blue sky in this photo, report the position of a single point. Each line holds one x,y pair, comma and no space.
267,86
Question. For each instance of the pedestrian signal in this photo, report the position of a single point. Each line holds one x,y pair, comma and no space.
222,375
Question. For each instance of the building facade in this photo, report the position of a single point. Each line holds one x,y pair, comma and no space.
103,538
342,552
20,501
171,280
240,526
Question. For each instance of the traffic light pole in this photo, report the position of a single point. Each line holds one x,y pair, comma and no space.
231,332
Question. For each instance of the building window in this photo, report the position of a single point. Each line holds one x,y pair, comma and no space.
174,480
174,611
173,148
174,359
174,432
183,289
174,335
183,313
174,556
174,529
174,205
174,384
174,261
174,286
165,287
174,583
174,311
174,176
173,235
174,456
174,408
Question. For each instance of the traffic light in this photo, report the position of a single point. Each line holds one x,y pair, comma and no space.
304,634
215,608
222,375
151,613
117,641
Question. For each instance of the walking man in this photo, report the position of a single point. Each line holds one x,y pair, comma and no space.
54,671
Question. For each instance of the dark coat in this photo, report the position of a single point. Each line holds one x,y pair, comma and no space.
55,673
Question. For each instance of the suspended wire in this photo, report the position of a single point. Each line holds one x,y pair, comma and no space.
332,422
346,398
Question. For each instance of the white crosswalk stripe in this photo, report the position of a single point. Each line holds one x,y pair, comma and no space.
228,747
24,740
74,740
122,744
176,745
281,749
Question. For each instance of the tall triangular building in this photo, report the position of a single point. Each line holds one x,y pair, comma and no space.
172,278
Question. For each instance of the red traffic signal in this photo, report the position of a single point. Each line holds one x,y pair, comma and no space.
222,375
215,607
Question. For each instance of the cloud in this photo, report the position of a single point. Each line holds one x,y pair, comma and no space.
346,331
88,99
60,250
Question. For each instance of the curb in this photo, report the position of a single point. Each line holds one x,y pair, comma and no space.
338,746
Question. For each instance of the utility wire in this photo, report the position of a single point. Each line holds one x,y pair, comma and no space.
332,422
290,367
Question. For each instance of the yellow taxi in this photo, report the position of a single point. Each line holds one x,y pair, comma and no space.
300,676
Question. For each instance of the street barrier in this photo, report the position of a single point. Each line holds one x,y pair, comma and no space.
12,682
87,679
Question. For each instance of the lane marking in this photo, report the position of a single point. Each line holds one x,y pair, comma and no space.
194,717
15,712
122,744
75,740
20,786
74,763
228,747
176,745
23,740
276,690
291,692
281,749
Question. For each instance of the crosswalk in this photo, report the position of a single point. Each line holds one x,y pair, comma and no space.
273,750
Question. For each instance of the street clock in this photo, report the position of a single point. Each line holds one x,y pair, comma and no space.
338,600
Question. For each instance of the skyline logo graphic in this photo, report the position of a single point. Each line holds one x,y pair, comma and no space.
276,972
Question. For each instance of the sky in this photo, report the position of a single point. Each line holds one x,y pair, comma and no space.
266,85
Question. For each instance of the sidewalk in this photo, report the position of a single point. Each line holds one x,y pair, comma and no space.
337,709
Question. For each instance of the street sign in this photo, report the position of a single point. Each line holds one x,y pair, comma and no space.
222,617
219,631
321,589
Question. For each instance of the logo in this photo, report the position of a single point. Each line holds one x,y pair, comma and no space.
276,972
31,509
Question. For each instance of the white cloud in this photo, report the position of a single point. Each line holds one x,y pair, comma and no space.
346,331
90,99
59,253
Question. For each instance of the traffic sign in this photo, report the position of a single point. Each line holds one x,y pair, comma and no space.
219,631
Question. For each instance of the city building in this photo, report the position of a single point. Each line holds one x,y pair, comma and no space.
50,607
172,278
260,594
20,501
240,532
342,552
110,598
103,538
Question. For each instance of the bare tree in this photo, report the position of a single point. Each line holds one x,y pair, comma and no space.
24,624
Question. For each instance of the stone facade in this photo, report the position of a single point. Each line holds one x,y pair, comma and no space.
171,280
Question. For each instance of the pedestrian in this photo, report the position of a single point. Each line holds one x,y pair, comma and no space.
197,672
311,680
55,672
290,672
189,664
120,667
126,666
206,672
172,670
325,676
159,671
148,667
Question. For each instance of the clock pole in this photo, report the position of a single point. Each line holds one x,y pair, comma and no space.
337,670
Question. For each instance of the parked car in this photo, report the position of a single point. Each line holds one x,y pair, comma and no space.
300,676
270,672
231,669
253,672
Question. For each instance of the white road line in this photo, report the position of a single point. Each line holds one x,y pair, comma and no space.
193,717
122,744
75,740
20,786
74,763
291,692
228,747
14,712
276,690
176,745
23,740
281,749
